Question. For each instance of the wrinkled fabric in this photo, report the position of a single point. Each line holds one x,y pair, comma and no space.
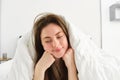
24,60
92,62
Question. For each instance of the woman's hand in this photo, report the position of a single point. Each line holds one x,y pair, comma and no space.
69,58
70,64
46,61
43,64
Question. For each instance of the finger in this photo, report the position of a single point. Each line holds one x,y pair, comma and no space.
69,51
52,56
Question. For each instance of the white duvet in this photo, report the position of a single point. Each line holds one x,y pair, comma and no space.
92,63
5,68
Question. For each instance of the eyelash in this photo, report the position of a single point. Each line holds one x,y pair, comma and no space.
48,41
59,37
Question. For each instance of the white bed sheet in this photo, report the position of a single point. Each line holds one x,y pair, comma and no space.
5,68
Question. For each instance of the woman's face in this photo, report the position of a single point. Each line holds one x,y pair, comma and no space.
54,40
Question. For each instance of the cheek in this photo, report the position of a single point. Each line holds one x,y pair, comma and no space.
65,44
46,47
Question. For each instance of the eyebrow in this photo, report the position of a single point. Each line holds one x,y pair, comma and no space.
47,37
58,32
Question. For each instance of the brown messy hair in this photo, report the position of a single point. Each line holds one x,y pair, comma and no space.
57,71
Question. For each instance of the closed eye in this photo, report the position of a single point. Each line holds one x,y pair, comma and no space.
59,37
48,41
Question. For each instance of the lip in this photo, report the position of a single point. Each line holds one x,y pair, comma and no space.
57,50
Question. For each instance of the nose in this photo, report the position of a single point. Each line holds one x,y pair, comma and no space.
55,43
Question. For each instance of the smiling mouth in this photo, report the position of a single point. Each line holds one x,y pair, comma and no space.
57,50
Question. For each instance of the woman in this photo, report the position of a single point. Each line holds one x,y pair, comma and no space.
55,59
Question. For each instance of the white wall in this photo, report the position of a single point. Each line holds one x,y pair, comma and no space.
18,15
0,28
110,29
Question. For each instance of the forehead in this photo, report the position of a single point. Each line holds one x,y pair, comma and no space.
50,30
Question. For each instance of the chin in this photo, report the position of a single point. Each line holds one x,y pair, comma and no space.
59,56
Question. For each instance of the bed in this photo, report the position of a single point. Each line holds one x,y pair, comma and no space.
4,69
